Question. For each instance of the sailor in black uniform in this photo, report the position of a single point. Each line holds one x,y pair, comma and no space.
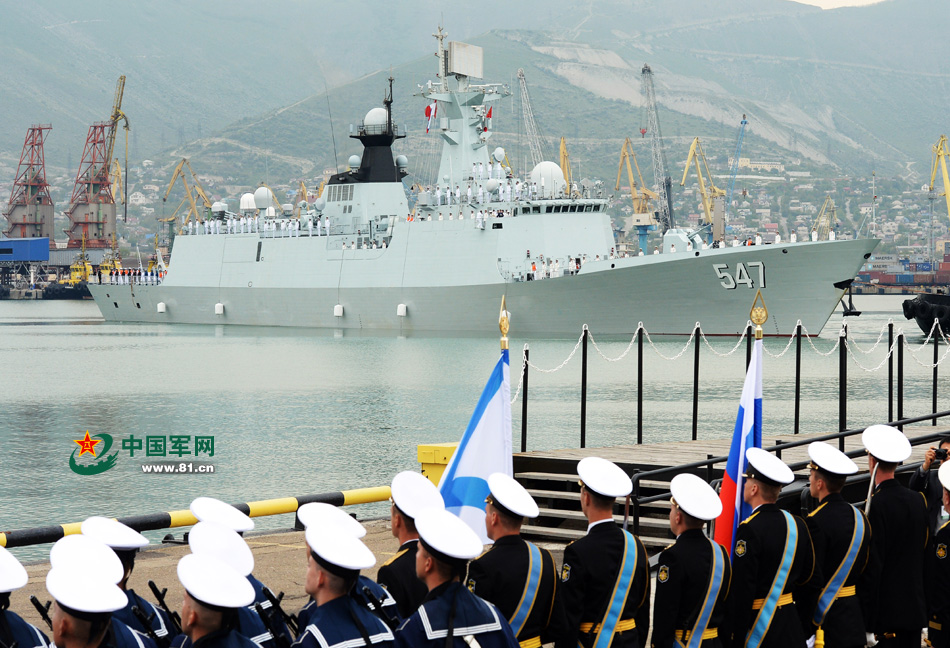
773,558
85,596
333,566
842,539
605,581
372,596
13,629
214,594
692,582
411,493
892,590
259,630
126,542
937,573
65,554
516,575
450,615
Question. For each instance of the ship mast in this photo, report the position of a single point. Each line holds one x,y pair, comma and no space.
440,36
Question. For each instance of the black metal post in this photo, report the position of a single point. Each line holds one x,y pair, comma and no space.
842,384
524,403
798,375
890,371
709,468
696,382
778,453
900,379
748,346
639,386
936,344
584,392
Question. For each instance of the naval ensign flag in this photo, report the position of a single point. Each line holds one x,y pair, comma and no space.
747,434
485,448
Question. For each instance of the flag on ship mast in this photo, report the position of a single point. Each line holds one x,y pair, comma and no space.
485,447
747,434
431,112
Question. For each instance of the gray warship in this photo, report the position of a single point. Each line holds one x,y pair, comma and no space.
361,258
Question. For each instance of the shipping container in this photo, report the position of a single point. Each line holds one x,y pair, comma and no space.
887,279
944,266
924,278
887,257
925,267
942,277
910,267
24,250
904,279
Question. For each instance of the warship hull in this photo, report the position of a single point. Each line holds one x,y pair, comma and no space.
299,282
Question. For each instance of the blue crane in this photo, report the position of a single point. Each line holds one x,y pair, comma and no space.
735,166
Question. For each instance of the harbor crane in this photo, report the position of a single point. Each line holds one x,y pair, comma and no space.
190,191
644,218
941,151
565,160
114,119
734,169
826,221
711,195
532,132
662,183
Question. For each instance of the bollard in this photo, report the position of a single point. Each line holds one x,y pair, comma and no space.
639,385
584,391
524,403
798,375
696,380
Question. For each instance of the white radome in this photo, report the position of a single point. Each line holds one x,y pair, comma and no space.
375,117
262,197
551,175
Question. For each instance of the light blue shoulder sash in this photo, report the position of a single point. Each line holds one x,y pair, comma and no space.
712,595
530,593
621,589
764,619
830,593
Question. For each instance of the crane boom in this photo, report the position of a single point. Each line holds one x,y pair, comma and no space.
941,151
639,194
532,132
662,183
708,190
734,170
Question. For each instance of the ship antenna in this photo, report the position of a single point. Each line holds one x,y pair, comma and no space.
326,91
388,101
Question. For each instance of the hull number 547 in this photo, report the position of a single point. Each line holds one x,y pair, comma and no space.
744,275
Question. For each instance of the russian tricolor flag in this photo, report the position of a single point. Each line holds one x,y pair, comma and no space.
748,434
485,448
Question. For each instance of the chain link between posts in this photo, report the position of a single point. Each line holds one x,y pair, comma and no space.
851,346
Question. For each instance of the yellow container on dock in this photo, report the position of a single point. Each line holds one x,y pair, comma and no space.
434,457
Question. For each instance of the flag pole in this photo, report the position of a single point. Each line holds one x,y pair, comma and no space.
503,325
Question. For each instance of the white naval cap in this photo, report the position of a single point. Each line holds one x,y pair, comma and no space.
446,536
886,443
766,467
214,583
508,495
83,591
12,573
829,459
339,553
694,496
321,514
75,550
604,477
413,493
223,543
943,474
208,509
113,533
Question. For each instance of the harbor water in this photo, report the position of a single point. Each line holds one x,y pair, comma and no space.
297,412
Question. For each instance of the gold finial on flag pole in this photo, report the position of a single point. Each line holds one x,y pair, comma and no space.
759,314
503,324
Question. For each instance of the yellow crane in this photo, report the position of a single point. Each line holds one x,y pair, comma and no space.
941,151
115,181
826,220
641,196
302,196
117,116
708,190
190,191
566,166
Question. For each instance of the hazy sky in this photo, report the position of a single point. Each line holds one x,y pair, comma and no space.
833,4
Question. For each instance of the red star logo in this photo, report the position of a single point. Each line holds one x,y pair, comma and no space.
87,445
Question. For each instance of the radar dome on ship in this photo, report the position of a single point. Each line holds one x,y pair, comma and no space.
354,162
320,203
270,212
553,179
219,207
498,154
263,197
402,162
491,185
375,117
247,202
